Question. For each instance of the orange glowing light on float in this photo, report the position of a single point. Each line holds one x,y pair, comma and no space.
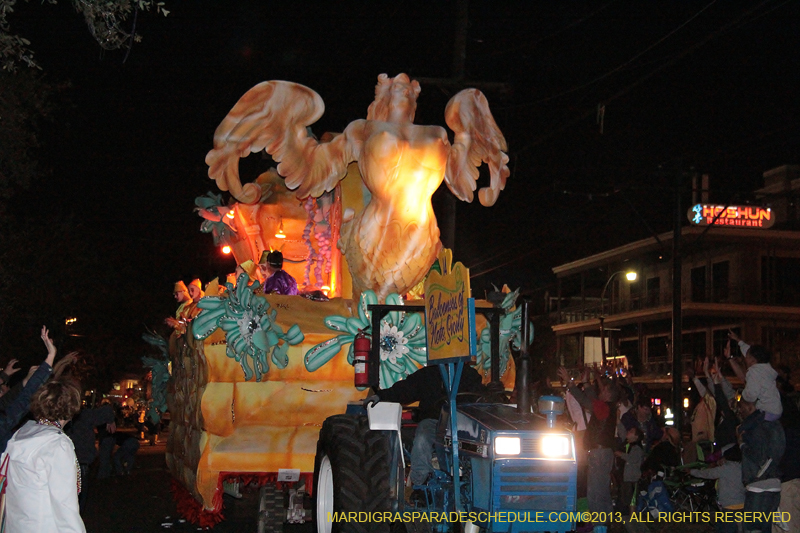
412,210
226,250
280,234
230,214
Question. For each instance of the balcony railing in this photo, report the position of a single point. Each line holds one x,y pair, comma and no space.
661,372
741,294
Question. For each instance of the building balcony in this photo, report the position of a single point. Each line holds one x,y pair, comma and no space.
692,297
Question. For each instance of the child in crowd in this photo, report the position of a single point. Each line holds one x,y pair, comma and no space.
633,457
730,490
760,386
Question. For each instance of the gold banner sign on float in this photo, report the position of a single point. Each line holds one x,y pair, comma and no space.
743,216
447,313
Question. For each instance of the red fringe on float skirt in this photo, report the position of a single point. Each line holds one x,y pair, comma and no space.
192,510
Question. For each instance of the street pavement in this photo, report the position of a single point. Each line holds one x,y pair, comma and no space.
142,503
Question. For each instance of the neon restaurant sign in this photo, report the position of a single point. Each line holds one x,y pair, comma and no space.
746,216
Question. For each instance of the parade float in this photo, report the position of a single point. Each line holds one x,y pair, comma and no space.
253,376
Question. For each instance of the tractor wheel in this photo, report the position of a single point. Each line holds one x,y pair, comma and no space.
357,470
271,510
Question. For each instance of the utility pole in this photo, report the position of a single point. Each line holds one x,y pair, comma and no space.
460,44
447,226
677,329
449,205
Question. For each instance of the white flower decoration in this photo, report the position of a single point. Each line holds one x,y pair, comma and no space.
401,355
393,343
251,333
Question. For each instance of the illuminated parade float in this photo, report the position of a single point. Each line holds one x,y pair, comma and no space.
254,376
258,376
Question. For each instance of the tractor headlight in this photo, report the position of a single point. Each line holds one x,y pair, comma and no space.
555,446
506,445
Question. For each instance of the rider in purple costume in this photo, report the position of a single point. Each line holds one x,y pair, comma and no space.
278,281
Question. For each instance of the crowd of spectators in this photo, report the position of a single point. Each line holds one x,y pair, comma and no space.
48,444
748,440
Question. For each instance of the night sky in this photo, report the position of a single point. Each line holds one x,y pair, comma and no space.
710,86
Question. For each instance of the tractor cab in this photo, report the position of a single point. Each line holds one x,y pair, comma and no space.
501,467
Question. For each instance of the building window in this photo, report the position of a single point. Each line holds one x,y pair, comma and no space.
658,349
570,351
785,345
630,349
780,280
653,292
693,347
720,273
699,284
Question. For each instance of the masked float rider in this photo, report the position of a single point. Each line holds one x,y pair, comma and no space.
276,280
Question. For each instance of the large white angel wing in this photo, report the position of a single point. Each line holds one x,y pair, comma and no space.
477,139
273,116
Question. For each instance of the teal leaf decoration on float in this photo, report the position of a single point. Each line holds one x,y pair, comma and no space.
159,367
510,335
211,208
252,336
401,338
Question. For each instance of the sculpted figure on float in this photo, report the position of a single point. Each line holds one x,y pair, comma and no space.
390,245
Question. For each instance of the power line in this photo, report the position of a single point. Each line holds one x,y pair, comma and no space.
510,261
546,37
649,75
535,237
620,67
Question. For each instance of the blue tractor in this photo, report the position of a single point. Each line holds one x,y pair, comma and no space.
507,469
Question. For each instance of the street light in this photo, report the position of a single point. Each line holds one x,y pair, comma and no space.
630,275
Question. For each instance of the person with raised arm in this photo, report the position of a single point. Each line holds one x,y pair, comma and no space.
8,371
18,407
760,386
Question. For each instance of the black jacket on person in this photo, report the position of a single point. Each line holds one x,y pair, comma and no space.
650,428
601,427
427,387
790,420
725,430
663,454
763,444
81,431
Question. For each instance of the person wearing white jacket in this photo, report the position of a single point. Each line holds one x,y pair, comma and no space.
43,473
760,386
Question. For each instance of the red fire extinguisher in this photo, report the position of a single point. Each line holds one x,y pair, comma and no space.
361,348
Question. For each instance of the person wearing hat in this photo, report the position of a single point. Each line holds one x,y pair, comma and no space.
186,308
190,311
249,268
181,294
196,290
276,280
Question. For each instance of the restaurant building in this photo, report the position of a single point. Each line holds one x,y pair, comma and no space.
740,270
